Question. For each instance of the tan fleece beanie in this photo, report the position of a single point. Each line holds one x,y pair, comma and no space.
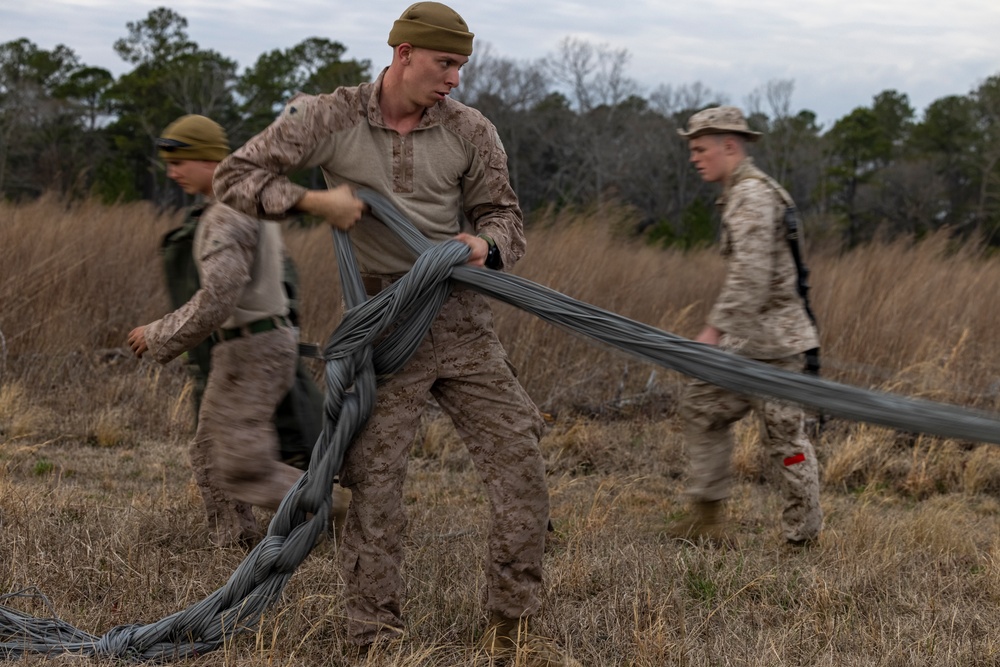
431,25
193,137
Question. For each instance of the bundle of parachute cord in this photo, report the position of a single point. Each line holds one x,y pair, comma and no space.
354,363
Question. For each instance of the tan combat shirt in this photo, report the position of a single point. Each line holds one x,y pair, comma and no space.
451,164
239,262
759,310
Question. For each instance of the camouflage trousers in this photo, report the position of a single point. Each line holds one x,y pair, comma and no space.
463,365
235,452
708,413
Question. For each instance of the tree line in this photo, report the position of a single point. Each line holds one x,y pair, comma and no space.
576,128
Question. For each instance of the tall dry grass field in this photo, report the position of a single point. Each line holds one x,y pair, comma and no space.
98,513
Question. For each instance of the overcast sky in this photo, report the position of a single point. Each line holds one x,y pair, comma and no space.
840,53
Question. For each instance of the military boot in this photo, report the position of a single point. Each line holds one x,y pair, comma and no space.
704,520
508,640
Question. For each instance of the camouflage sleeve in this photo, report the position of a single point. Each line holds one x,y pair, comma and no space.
749,219
490,202
226,261
254,178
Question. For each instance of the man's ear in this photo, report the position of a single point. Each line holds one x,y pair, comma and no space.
405,51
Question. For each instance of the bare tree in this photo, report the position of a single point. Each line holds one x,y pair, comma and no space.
685,99
770,106
604,98
594,75
789,150
518,85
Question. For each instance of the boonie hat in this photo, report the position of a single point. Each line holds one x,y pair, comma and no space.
719,120
193,137
431,25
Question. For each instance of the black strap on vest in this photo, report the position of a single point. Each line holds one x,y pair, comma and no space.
801,279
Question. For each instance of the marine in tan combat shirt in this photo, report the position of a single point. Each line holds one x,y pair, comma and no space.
759,314
438,161
241,301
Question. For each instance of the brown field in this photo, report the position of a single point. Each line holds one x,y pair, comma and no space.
98,512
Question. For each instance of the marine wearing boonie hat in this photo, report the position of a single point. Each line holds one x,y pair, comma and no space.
193,137
431,25
719,120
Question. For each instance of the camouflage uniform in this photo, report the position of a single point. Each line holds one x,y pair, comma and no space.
299,417
451,163
235,450
762,317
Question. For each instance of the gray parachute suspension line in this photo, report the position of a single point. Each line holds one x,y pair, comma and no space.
706,362
354,365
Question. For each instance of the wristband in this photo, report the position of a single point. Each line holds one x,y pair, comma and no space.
493,259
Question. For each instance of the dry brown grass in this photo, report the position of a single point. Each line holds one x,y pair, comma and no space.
98,511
